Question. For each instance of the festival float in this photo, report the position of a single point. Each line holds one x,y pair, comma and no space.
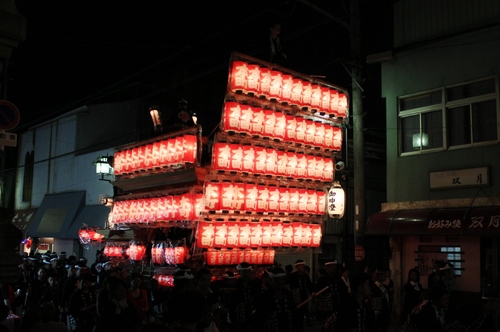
265,188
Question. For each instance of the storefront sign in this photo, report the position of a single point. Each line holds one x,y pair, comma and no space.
459,178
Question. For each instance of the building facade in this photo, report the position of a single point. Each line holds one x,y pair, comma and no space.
441,85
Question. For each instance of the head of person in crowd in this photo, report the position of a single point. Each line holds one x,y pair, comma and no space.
135,281
447,272
413,275
300,266
203,280
52,281
288,268
72,260
361,286
183,279
245,270
42,273
84,282
331,268
381,274
278,278
229,279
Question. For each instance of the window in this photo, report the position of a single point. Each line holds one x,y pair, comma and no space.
29,163
454,256
458,116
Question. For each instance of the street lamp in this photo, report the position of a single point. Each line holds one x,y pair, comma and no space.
104,166
156,118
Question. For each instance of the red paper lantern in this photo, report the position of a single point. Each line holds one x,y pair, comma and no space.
321,202
274,197
325,99
316,97
343,105
319,134
269,123
239,76
284,200
310,132
251,194
128,161
255,234
277,234
306,235
118,163
163,153
186,207
297,90
241,256
291,164
245,121
287,235
337,138
259,257
258,119
297,234
271,161
260,160
212,257
190,148
328,169
232,196
268,258
236,158
206,234
248,159
233,232
267,233
232,116
247,256
165,280
157,253
155,163
180,255
220,238
334,102
319,168
302,164
315,235
280,126
291,129
136,250
226,256
244,236
263,199
212,196
312,202
301,128
114,250
281,164
265,82
253,79
306,94
234,256
221,156
147,160
276,85
286,89
294,200
303,198
199,205
176,208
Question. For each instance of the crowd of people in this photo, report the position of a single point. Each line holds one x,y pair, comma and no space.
59,293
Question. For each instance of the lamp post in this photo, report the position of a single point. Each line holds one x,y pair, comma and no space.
104,167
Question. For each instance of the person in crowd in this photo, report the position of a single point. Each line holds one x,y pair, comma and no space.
118,315
301,287
183,283
48,323
245,295
328,298
357,315
50,293
344,284
138,297
191,310
82,306
157,299
381,301
476,317
434,277
68,288
103,294
276,310
412,293
430,314
214,314
63,297
4,313
37,288
227,293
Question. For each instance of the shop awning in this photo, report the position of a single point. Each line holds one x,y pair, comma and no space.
23,219
449,221
56,214
91,215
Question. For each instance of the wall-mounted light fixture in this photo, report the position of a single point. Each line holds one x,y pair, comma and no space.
104,166
156,118
420,140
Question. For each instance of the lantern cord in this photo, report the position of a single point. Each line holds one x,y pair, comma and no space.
353,78
215,128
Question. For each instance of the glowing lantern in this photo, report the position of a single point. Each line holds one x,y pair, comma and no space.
118,163
165,280
251,194
269,123
297,89
179,255
220,234
306,235
89,235
271,161
328,169
343,105
301,128
212,196
319,134
157,252
206,234
310,132
239,76
136,250
303,198
234,256
226,257
302,163
291,129
325,99
267,232
280,126
312,202
244,236
222,156
128,161
263,199
187,207
134,156
147,160
281,164
306,94
233,232
232,196
258,122
236,158
294,200
170,158
248,159
212,256
337,138
316,97
320,167
190,148
259,257
274,197
255,234
245,121
241,256
297,234
286,88
155,162
199,205
231,117
336,201
321,202
284,200
287,234
114,250
265,82
247,256
334,102
291,164
276,234
276,84
315,235
253,79
163,153
268,258
260,160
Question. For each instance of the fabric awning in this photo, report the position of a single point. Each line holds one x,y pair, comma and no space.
449,221
56,214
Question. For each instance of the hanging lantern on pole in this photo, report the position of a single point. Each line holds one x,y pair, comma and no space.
335,201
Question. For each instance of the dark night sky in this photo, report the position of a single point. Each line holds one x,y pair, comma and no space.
84,52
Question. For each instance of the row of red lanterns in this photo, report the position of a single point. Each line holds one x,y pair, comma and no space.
89,235
166,153
165,280
157,209
234,256
260,199
257,234
262,161
268,123
133,250
161,254
260,81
